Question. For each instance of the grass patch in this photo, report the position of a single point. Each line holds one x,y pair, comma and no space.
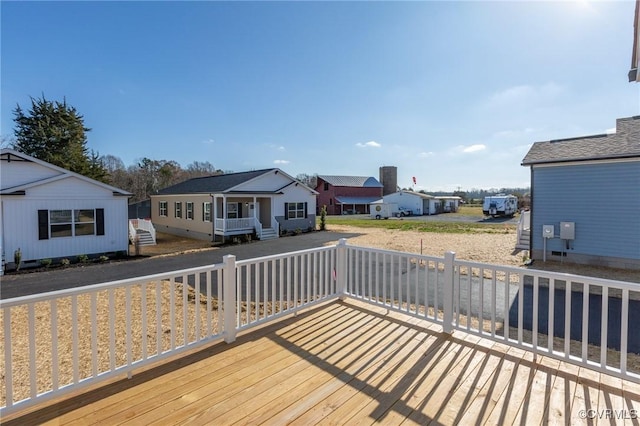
420,226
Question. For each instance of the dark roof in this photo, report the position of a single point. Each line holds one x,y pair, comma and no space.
625,143
353,181
212,184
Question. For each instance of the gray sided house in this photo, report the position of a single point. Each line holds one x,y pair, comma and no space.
264,203
50,213
585,198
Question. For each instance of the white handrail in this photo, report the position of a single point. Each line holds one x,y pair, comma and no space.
143,225
144,319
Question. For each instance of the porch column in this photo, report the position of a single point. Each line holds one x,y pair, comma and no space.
213,217
224,214
254,207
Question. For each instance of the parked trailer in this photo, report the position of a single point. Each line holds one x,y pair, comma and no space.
500,205
383,210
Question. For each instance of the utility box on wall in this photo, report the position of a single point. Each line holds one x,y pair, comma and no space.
547,231
567,230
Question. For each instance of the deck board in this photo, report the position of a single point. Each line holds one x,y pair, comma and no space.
349,363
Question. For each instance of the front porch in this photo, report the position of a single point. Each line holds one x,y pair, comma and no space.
244,215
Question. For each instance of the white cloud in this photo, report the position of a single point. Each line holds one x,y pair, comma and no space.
473,148
281,161
370,144
209,142
425,154
525,96
276,147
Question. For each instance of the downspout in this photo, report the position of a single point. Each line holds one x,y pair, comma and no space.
2,256
531,215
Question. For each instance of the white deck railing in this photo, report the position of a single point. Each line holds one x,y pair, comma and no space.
143,225
233,225
57,342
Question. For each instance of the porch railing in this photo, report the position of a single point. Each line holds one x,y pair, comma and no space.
58,342
231,225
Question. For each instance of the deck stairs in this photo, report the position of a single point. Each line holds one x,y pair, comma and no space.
268,234
143,231
524,231
145,238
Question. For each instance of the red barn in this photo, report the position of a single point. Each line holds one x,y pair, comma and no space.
347,194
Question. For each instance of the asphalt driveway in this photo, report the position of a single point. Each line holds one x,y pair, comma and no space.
58,279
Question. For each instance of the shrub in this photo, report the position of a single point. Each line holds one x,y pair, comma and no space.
65,262
83,258
104,258
45,262
298,231
17,258
323,218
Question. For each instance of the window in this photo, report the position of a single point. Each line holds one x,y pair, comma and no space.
326,186
206,212
83,221
70,223
296,210
178,208
163,208
232,210
189,210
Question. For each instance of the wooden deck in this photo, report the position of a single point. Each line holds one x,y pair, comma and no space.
351,363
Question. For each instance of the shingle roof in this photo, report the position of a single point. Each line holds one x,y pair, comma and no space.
212,184
354,181
625,143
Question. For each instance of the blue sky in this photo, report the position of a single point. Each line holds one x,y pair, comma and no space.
453,93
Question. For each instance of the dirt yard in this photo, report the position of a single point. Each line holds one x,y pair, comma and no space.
493,248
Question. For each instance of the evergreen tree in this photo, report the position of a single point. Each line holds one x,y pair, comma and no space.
54,132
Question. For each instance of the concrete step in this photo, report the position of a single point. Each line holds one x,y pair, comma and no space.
269,234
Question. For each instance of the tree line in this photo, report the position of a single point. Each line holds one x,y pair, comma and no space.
54,131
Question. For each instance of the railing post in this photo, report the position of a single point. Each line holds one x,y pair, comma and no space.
229,284
341,268
447,302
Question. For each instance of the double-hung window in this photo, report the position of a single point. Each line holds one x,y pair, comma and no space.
70,223
296,210
162,207
206,212
178,209
189,210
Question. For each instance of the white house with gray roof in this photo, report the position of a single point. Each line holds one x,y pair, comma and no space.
587,189
51,213
261,202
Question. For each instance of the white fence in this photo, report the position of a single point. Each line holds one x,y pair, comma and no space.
57,342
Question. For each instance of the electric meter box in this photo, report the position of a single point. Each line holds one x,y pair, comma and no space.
547,231
567,230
